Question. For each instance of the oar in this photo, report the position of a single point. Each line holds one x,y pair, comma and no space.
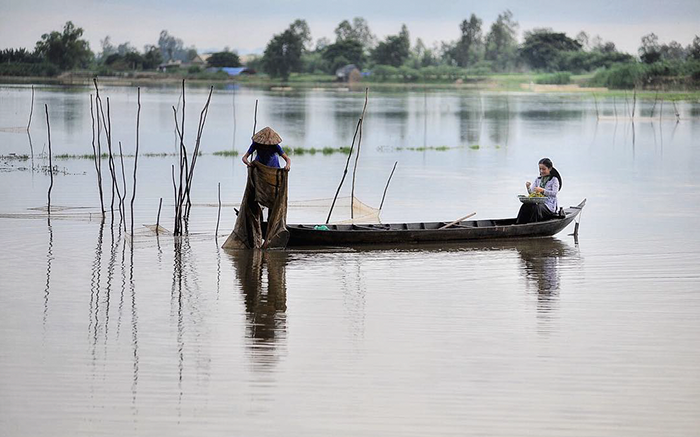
450,224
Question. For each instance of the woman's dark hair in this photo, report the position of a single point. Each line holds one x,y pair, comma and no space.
552,171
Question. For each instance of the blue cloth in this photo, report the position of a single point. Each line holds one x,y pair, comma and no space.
267,155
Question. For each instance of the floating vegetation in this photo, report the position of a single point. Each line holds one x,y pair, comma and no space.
426,148
116,155
226,153
14,157
313,150
474,147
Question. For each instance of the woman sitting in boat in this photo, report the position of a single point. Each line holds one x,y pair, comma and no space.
548,184
266,145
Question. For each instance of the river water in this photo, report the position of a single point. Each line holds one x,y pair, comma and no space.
102,335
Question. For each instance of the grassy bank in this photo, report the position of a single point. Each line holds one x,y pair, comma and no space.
514,82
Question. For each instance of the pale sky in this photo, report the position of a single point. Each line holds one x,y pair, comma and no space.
248,26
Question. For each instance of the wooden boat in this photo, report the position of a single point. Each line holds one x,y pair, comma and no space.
411,233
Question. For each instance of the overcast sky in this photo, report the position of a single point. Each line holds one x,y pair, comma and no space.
247,26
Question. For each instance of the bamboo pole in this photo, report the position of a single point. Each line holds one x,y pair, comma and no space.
176,228
160,203
357,158
233,105
218,217
136,156
634,101
450,224
387,186
597,114
31,110
675,109
200,129
347,163
97,158
255,119
122,198
48,130
656,98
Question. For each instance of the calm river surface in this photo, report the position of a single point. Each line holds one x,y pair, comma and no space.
104,336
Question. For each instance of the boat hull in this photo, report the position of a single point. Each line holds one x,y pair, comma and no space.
417,233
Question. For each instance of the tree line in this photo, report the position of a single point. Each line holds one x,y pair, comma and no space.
477,51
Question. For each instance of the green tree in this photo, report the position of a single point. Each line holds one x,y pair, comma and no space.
224,59
501,43
283,53
542,47
343,52
465,51
673,51
358,31
394,50
693,49
301,29
65,49
650,50
152,57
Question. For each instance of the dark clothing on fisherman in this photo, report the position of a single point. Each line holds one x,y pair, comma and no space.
266,155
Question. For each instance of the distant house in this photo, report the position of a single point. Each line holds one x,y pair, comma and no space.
348,73
237,71
169,66
198,61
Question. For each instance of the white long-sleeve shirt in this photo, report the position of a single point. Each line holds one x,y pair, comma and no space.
551,188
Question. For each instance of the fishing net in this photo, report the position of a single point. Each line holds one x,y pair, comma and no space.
345,210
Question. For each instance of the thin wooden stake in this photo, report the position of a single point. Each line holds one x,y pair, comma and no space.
387,186
122,197
357,158
255,120
347,163
597,114
97,157
634,101
218,217
136,156
48,130
31,111
233,105
656,98
160,203
675,109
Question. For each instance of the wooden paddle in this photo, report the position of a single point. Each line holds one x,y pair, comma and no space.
450,224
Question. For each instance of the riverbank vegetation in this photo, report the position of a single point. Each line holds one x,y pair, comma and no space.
480,56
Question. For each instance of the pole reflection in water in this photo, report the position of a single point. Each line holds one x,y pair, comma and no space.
134,331
49,258
185,306
266,306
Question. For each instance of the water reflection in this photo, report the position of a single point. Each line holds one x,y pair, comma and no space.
470,120
265,299
291,113
186,308
498,119
49,259
541,262
134,330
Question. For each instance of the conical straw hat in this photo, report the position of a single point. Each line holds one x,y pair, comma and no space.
267,136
